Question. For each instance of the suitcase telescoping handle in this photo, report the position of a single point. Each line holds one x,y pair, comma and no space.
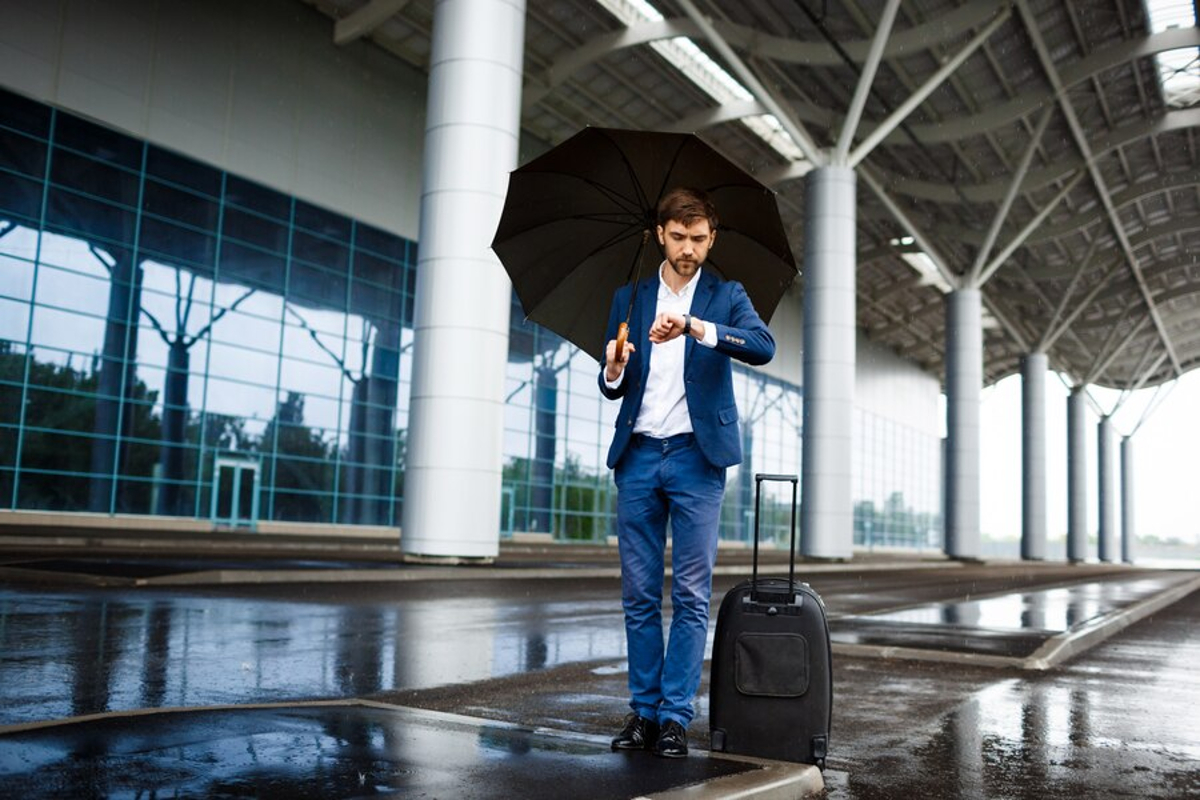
758,482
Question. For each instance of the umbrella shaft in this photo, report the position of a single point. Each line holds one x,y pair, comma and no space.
635,271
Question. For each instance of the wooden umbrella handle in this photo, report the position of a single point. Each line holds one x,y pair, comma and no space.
622,337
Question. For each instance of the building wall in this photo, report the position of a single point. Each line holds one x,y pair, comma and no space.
897,451
889,386
256,88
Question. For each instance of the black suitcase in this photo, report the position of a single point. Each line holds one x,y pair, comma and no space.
771,685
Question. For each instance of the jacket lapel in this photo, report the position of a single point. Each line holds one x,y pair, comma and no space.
647,304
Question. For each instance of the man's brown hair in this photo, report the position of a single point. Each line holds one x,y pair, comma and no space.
686,205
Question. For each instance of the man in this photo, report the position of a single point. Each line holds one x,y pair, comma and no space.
676,433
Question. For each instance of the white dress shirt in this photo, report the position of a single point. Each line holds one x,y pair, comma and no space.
664,410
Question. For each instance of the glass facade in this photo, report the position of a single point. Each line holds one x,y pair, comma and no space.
897,492
177,340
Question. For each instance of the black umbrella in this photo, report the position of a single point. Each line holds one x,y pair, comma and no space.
577,221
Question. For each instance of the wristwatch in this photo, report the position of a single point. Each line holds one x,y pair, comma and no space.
687,324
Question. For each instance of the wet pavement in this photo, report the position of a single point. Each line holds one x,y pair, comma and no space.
337,750
546,655
1016,626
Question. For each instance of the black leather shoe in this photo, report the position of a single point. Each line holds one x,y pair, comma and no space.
639,733
672,741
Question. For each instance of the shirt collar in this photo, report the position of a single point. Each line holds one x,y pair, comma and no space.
665,291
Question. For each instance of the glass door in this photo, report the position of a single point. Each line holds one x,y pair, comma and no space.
235,492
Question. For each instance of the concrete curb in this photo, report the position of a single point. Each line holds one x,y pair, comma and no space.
774,780
1054,651
1059,648
230,577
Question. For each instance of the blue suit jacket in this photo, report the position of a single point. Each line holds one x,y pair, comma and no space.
707,373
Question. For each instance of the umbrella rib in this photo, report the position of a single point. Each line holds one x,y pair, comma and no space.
640,200
670,170
619,237
628,232
616,218
633,206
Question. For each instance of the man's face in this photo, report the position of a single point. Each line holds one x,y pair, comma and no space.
686,246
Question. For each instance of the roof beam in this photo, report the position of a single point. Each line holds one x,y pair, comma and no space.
1163,183
1185,119
713,116
897,321
799,135
756,44
1029,99
596,49
365,19
1106,360
908,106
1001,317
943,266
859,101
1033,224
1014,186
1101,188
1141,365
1053,335
1081,268
1159,396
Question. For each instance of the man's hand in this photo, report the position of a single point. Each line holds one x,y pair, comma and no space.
613,367
667,326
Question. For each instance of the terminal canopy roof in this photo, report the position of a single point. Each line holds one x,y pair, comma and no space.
1043,151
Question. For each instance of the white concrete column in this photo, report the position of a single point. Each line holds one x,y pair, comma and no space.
1077,476
964,384
1106,454
1128,526
456,420
1033,456
827,513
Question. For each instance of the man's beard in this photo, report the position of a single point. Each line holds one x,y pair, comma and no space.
683,267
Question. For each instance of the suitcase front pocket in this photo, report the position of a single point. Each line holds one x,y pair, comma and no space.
771,664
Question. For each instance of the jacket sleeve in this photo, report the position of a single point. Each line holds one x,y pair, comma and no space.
745,336
610,333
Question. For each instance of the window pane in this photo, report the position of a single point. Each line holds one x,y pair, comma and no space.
22,153
92,219
14,321
252,195
95,178
323,222
183,171
22,197
24,114
97,141
176,204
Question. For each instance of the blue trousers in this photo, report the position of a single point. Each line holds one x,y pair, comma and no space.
657,480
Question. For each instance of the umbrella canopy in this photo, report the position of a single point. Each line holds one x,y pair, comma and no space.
576,220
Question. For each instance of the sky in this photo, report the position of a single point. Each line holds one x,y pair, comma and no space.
1166,458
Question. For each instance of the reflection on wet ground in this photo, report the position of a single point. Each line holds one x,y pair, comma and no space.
71,653
323,752
1014,624
1118,721
134,568
1114,721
